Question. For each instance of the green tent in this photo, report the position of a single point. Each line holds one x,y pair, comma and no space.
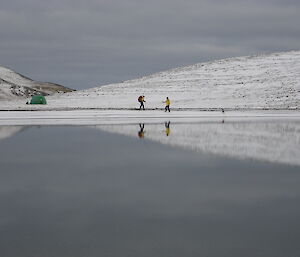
38,99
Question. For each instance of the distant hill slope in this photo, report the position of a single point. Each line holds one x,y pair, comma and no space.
264,81
267,81
14,85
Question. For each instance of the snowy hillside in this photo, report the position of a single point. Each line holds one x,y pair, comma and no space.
267,81
263,81
13,85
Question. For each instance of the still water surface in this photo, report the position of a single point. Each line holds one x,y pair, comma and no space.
79,191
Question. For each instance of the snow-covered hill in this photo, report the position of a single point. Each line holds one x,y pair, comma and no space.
13,85
262,81
266,81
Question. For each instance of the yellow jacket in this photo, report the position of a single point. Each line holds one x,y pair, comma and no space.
168,102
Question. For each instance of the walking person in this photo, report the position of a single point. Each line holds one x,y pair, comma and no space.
141,100
167,102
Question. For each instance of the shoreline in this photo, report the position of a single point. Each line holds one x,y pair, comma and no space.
125,116
208,109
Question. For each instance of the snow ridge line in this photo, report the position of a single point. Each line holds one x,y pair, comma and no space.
149,109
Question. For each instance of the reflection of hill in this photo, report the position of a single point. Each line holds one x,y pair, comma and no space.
8,131
272,141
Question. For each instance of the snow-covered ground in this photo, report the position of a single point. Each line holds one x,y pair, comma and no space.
263,81
101,117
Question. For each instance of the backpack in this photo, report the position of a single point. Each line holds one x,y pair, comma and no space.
140,99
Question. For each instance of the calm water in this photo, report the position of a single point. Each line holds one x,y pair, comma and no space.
79,191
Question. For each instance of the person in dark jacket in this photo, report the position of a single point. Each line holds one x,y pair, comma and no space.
141,100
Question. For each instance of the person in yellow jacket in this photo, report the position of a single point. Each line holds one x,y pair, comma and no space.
167,102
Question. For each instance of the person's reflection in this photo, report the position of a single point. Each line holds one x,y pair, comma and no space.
141,133
167,126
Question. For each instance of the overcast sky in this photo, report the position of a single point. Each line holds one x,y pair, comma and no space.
82,44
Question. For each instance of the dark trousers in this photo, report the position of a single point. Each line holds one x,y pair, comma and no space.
142,105
167,108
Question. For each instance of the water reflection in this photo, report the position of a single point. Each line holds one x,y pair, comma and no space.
79,192
141,132
167,126
8,131
274,141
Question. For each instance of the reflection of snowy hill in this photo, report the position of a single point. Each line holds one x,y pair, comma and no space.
8,131
264,81
269,141
13,85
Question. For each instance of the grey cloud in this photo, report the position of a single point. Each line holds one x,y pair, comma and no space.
83,44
